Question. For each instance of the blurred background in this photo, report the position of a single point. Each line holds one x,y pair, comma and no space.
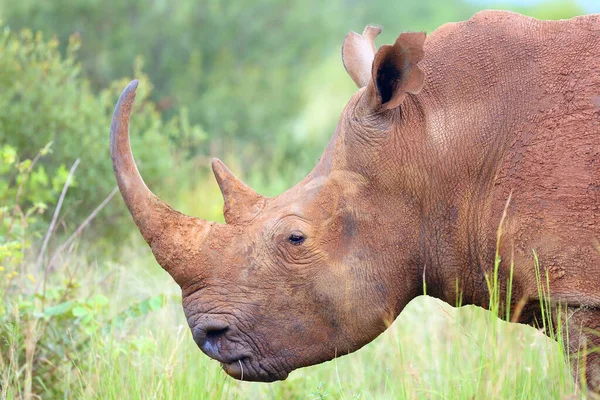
257,83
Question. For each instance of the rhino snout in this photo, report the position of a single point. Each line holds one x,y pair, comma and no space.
222,342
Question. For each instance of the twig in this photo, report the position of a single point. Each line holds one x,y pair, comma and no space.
74,235
56,212
83,225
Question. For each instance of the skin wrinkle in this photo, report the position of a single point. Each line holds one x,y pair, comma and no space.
403,197
238,323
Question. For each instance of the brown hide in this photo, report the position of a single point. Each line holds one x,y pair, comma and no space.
410,189
511,108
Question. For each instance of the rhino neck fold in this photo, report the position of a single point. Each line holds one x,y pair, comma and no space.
449,177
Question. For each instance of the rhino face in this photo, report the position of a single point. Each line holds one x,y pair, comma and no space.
290,288
297,279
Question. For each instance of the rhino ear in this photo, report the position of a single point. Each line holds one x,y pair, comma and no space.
395,71
241,203
357,54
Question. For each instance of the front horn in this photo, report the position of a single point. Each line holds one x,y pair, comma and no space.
175,239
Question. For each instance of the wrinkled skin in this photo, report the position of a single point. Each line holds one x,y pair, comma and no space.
289,305
498,114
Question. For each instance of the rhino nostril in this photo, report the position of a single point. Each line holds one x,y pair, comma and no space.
213,342
207,335
214,335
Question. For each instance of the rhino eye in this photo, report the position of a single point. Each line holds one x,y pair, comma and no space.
296,238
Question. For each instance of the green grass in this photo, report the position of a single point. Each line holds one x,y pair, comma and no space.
432,351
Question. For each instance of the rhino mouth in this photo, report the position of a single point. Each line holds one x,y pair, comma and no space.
245,369
219,341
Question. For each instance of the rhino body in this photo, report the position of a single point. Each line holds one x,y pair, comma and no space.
484,124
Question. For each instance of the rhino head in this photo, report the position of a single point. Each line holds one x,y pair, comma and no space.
320,270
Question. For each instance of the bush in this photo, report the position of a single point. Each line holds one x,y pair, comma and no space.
50,312
44,99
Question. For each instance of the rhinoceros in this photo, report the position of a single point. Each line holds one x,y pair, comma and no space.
484,124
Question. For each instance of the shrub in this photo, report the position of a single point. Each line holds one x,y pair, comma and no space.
50,312
44,99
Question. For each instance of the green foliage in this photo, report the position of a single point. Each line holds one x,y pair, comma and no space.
44,99
225,61
48,314
25,190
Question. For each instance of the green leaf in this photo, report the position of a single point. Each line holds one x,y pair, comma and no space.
118,321
47,149
90,329
79,311
137,310
144,307
157,302
59,309
98,300
26,305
